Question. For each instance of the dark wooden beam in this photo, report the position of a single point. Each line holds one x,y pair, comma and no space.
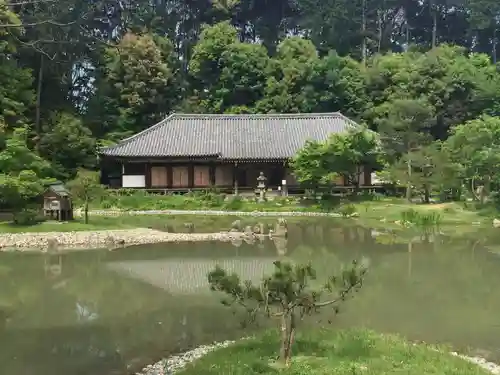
212,174
190,175
147,175
170,177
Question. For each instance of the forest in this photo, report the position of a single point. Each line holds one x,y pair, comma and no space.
76,75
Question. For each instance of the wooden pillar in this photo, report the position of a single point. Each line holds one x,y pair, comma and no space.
368,176
212,174
103,173
170,177
235,178
190,175
147,175
121,175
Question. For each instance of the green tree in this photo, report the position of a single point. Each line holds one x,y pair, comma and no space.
68,145
485,17
289,87
23,174
429,168
205,67
16,156
289,294
476,146
403,125
85,187
457,85
16,95
320,163
19,192
339,85
139,86
225,72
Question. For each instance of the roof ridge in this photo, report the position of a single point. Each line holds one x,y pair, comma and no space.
311,114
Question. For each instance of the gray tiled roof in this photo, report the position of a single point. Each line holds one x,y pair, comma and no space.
59,188
233,137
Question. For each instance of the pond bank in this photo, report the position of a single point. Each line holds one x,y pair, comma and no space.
176,363
104,238
208,212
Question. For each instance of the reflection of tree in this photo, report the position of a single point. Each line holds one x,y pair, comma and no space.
281,244
53,265
446,291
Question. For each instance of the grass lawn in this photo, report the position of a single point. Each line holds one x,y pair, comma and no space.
97,223
202,223
384,213
328,352
142,201
379,214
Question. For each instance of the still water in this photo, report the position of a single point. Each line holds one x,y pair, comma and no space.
102,312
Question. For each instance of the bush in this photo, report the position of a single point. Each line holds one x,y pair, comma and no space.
208,198
428,219
28,216
234,203
329,202
347,210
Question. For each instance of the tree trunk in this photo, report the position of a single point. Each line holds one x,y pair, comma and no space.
427,194
434,26
494,43
485,190
408,185
407,32
38,129
379,21
290,338
284,338
363,31
86,212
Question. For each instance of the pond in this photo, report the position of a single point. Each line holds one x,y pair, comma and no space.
101,312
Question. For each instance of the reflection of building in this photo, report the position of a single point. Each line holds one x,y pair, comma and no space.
190,275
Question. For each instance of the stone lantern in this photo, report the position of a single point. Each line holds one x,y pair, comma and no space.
261,186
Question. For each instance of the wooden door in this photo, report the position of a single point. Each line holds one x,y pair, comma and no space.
224,175
201,175
159,176
180,176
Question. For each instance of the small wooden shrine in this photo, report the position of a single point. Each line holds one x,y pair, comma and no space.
57,204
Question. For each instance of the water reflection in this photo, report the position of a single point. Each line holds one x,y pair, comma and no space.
101,312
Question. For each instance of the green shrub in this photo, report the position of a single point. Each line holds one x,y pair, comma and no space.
347,210
28,216
235,203
329,202
420,219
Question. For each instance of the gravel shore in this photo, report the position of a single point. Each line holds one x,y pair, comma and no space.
175,363
207,212
105,238
481,362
